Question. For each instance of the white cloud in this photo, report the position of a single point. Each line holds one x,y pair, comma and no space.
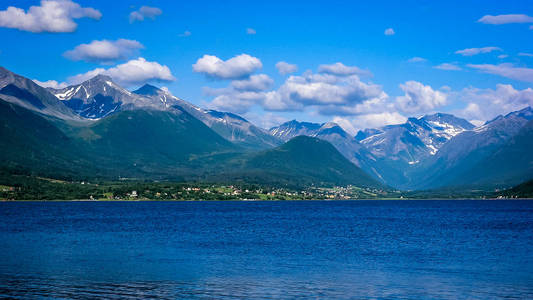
104,51
531,27
416,59
326,90
51,16
486,104
419,98
133,72
506,70
238,67
186,33
506,19
256,83
265,120
339,69
145,12
525,54
327,94
448,67
389,31
375,120
232,100
51,84
476,51
502,56
285,68
250,31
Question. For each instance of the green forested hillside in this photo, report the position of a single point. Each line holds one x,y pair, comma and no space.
160,145
301,161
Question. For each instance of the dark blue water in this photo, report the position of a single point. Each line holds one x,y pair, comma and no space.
206,250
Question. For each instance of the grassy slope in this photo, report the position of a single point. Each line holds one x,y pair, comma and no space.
301,161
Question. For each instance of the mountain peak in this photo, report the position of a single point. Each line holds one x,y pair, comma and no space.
148,90
330,125
443,118
99,78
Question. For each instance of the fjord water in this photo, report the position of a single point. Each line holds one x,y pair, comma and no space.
311,249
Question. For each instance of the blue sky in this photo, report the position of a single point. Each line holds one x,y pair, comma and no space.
386,86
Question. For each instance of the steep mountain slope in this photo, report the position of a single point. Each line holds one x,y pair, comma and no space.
26,93
301,161
152,143
144,144
457,161
415,139
398,149
509,165
230,126
330,132
99,97
32,143
291,129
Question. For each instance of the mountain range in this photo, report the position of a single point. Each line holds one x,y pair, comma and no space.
98,129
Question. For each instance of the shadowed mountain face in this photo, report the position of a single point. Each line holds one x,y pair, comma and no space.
26,93
301,161
481,156
159,145
398,149
230,126
330,132
99,97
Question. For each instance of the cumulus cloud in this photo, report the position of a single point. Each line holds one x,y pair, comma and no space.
232,100
389,31
265,120
502,56
525,54
51,16
285,68
506,19
256,83
133,72
476,51
416,59
486,104
374,120
325,93
250,31
419,98
145,12
506,70
339,69
332,94
104,51
238,67
448,67
51,84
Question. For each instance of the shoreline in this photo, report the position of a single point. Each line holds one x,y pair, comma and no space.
292,200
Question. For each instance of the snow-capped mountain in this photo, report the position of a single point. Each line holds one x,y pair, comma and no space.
230,126
470,150
288,130
99,97
26,93
412,141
